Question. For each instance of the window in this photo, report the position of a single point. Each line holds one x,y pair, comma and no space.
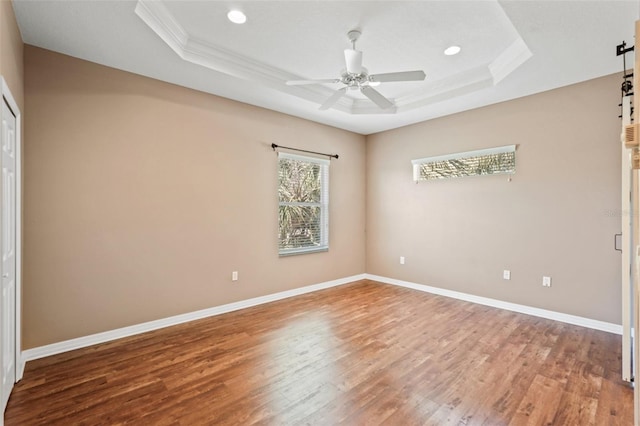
473,163
303,192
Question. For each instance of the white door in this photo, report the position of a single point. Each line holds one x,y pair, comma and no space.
8,235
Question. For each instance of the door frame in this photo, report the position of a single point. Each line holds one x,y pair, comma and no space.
5,93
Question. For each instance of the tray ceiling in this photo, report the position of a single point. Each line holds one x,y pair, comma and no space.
509,49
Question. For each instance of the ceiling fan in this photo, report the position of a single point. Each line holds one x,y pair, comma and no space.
356,77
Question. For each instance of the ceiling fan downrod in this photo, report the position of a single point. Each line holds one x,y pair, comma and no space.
353,35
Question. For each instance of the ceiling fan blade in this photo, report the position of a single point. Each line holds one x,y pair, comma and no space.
333,99
353,59
398,76
302,82
376,97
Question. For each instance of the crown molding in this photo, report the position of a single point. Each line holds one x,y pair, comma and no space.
450,87
157,16
160,20
511,58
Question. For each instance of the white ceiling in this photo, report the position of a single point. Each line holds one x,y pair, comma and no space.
509,49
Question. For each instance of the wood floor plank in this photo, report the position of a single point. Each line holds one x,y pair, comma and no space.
362,353
540,403
612,403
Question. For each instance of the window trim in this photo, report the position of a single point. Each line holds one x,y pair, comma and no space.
323,204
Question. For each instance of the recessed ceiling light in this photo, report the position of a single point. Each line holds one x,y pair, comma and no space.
237,17
452,50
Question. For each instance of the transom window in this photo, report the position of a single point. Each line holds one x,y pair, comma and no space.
489,161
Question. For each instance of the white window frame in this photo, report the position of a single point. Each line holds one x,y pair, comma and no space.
323,204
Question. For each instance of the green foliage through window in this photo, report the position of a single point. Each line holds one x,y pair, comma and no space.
303,204
474,163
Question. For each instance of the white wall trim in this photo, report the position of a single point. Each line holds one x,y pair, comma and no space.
509,60
107,336
5,93
514,307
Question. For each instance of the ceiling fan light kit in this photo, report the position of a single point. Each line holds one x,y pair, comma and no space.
356,77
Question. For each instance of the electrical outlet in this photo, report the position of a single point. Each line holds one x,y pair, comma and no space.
234,276
506,274
402,260
546,281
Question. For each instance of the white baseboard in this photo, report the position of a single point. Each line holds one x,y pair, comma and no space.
107,336
514,307
94,339
20,369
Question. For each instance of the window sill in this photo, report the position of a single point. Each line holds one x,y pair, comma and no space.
295,252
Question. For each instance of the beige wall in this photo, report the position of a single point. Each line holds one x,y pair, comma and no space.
142,197
555,217
11,51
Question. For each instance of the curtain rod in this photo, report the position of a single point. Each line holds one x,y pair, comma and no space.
274,146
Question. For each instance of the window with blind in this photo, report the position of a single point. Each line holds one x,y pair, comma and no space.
303,209
472,163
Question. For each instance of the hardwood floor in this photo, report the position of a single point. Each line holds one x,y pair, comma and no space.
363,353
